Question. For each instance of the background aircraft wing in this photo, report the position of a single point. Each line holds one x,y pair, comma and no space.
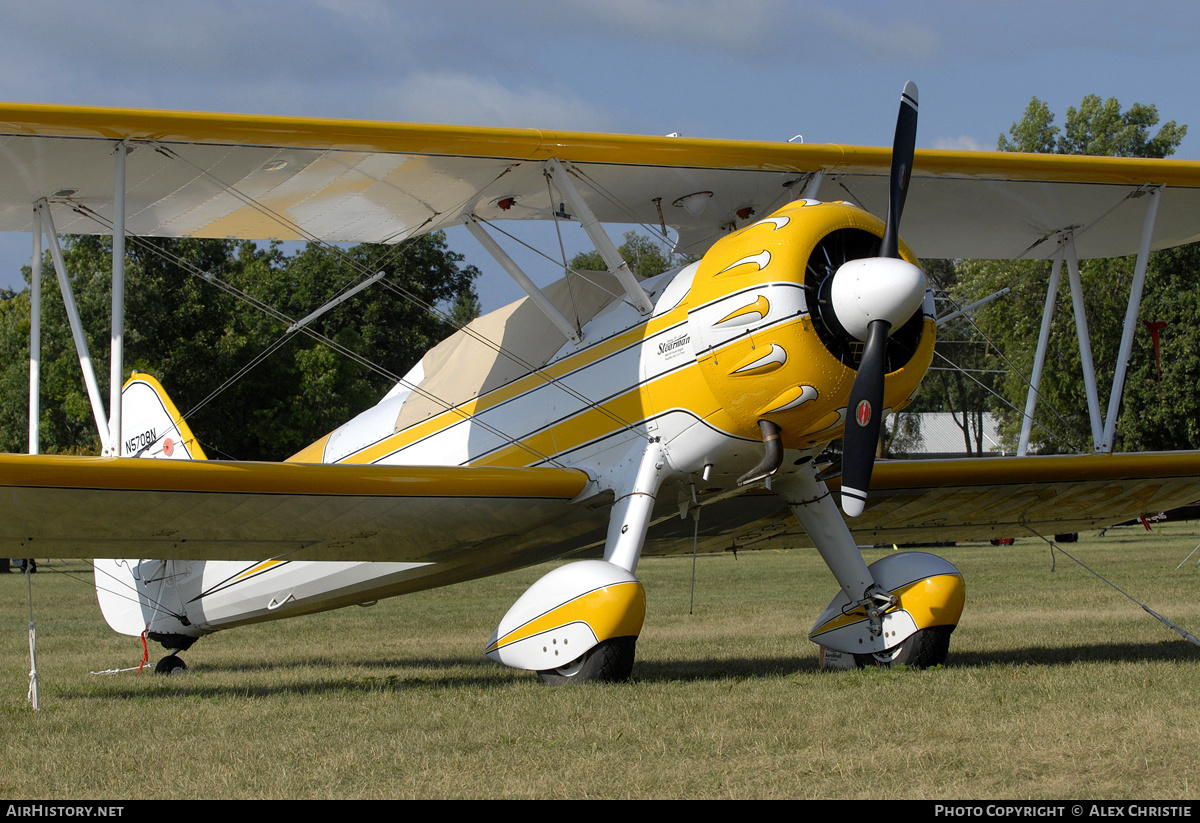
931,501
210,175
489,519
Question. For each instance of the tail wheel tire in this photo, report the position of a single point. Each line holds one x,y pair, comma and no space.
925,648
171,664
607,662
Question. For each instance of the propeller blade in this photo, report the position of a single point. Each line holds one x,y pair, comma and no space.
865,409
866,415
903,147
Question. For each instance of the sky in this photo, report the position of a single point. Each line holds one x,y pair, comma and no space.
754,69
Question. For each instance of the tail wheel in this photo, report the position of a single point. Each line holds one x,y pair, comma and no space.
607,662
171,664
925,648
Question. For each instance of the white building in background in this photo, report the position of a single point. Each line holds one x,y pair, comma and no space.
940,436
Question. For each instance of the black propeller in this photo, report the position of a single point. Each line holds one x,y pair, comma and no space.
870,297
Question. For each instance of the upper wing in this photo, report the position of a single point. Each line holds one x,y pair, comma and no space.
487,519
347,181
930,501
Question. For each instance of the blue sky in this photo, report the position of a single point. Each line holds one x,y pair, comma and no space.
755,69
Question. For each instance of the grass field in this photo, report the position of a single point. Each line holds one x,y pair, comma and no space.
1056,687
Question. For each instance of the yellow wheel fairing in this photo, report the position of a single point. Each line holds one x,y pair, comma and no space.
934,601
612,611
754,337
930,593
567,612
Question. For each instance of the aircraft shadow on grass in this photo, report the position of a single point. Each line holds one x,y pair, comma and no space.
481,673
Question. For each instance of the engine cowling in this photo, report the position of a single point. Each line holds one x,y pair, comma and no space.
766,337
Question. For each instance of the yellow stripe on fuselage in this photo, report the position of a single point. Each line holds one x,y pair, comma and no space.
683,390
260,567
543,378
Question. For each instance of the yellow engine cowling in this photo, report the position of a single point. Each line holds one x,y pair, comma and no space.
759,336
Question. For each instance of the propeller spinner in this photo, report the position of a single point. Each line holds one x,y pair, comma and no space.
871,297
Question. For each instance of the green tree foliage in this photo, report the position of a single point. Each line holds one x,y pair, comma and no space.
192,335
1097,128
644,256
1035,133
1012,322
1160,416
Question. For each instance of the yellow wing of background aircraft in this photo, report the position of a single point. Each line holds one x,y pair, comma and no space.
600,418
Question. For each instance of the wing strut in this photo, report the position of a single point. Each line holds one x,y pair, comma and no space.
1103,428
1131,315
109,429
81,346
116,363
35,333
516,273
604,244
1039,358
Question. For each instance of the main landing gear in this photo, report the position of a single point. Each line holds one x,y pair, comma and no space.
924,649
580,622
608,662
171,664
900,610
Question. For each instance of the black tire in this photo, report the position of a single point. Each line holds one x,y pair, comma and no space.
925,648
607,662
171,664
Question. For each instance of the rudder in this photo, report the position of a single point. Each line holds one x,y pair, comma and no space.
136,595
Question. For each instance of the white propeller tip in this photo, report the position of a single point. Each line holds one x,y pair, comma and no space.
853,501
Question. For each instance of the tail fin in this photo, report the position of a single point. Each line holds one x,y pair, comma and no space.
134,594
151,426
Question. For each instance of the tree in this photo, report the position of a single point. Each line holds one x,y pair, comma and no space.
194,335
1035,133
1160,416
1012,323
962,379
644,256
1096,128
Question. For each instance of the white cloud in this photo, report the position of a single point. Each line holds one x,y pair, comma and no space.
467,99
699,22
964,142
750,28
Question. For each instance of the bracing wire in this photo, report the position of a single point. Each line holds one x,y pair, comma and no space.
1186,635
408,295
321,338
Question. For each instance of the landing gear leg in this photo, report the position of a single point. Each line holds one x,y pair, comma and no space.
811,502
899,611
580,622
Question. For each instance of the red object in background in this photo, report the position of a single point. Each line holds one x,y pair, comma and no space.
1155,326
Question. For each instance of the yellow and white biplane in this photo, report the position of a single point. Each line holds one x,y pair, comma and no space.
591,418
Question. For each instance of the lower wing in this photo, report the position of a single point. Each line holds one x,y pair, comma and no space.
487,520
929,501
110,507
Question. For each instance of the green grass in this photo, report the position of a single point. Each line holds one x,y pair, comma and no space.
1056,687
